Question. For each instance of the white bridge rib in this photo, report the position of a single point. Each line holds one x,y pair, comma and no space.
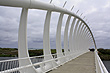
80,39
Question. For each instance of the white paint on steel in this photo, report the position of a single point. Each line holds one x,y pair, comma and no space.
74,36
66,49
80,38
77,38
58,39
100,68
71,35
46,41
22,43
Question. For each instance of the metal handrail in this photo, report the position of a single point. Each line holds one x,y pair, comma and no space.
35,64
100,63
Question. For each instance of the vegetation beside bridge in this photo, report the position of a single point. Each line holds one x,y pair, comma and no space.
104,53
13,52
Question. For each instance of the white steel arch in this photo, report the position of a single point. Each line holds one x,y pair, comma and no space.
80,39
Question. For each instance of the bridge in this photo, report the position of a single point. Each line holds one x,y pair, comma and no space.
80,39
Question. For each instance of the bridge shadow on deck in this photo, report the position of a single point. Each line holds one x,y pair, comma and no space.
82,64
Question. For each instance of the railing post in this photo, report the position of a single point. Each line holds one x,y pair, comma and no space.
77,38
71,35
22,43
58,39
80,36
85,38
74,36
66,49
72,39
46,42
88,38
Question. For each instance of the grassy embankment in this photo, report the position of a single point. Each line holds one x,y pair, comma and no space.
104,54
13,52
8,52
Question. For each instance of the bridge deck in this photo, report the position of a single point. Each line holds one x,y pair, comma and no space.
82,64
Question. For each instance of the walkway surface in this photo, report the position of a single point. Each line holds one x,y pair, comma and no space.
82,64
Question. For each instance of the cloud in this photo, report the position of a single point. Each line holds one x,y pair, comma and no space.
107,5
96,11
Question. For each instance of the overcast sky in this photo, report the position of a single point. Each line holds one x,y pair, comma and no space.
97,13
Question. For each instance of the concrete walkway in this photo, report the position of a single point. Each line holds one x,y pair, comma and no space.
82,64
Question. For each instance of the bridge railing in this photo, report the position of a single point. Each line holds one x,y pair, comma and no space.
80,39
12,65
100,67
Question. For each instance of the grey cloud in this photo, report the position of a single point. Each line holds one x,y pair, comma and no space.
95,11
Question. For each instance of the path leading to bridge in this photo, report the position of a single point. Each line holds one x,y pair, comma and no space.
82,64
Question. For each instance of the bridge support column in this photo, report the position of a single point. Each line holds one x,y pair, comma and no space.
77,38
22,44
80,37
58,40
66,49
74,40
46,43
71,38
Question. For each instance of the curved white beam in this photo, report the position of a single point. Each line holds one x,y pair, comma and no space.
87,38
46,38
22,43
58,40
71,35
80,32
80,36
66,36
74,35
77,38
58,36
46,42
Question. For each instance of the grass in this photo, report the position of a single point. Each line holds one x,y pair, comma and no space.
13,52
